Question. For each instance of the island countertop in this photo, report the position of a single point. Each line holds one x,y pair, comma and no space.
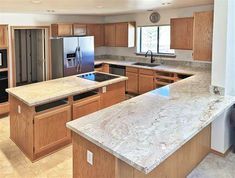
43,92
145,130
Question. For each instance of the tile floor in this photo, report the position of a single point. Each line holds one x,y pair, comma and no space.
13,163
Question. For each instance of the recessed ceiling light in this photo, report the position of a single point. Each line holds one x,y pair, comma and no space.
166,3
36,1
100,7
50,10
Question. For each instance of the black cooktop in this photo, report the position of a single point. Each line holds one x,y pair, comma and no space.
98,77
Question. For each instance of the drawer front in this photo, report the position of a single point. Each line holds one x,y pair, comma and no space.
132,69
146,72
86,106
50,129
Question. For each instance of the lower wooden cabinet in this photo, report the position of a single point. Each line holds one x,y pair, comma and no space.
86,106
4,108
114,94
132,83
146,83
105,68
50,129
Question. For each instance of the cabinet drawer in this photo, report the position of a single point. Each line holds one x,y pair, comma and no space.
86,106
132,69
146,72
50,129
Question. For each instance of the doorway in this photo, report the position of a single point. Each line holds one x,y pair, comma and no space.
30,55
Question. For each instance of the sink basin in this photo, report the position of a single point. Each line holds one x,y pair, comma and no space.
145,64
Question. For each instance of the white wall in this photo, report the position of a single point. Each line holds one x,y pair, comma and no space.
142,19
39,19
219,43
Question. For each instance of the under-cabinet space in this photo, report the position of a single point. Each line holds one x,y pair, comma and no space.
51,105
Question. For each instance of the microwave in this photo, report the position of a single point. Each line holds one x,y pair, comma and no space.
3,58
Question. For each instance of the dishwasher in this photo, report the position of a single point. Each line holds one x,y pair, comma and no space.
117,70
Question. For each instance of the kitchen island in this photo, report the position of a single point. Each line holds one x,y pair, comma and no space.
163,133
39,112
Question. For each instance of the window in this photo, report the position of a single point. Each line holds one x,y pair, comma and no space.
154,38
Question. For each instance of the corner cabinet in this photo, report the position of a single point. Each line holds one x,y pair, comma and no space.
50,129
182,33
203,34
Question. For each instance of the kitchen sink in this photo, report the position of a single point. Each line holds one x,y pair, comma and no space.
145,64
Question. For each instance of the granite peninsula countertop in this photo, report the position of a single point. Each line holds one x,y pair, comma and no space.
43,92
147,129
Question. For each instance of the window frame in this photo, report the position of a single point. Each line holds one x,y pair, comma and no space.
139,42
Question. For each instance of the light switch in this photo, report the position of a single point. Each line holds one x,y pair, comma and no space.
90,157
104,89
19,109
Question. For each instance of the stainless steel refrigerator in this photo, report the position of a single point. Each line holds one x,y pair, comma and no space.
72,55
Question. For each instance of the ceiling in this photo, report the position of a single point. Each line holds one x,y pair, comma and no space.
91,7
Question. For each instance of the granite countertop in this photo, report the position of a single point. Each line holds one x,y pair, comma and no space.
43,92
147,129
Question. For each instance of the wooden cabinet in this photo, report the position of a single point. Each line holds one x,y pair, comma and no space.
50,129
96,30
3,36
110,35
146,80
114,94
132,84
4,108
202,38
182,33
79,29
58,30
125,34
86,106
105,68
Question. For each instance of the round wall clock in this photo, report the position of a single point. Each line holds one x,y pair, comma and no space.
155,17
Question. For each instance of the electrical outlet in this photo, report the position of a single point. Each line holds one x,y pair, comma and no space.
19,109
90,157
104,89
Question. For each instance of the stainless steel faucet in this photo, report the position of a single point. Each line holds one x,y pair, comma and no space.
146,55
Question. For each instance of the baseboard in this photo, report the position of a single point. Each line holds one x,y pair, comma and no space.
222,154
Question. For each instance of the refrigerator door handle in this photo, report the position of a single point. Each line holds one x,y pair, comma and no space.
78,59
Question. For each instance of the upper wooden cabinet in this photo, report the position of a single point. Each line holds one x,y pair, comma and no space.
96,30
110,35
79,29
202,37
182,33
58,30
3,36
125,34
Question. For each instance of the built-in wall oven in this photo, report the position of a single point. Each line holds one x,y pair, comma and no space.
3,86
3,58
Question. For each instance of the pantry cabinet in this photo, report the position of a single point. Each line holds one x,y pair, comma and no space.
182,33
203,34
3,36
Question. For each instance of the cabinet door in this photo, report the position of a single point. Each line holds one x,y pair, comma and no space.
182,33
50,129
132,82
203,32
79,29
61,30
96,30
122,35
3,36
105,68
146,83
86,106
110,35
